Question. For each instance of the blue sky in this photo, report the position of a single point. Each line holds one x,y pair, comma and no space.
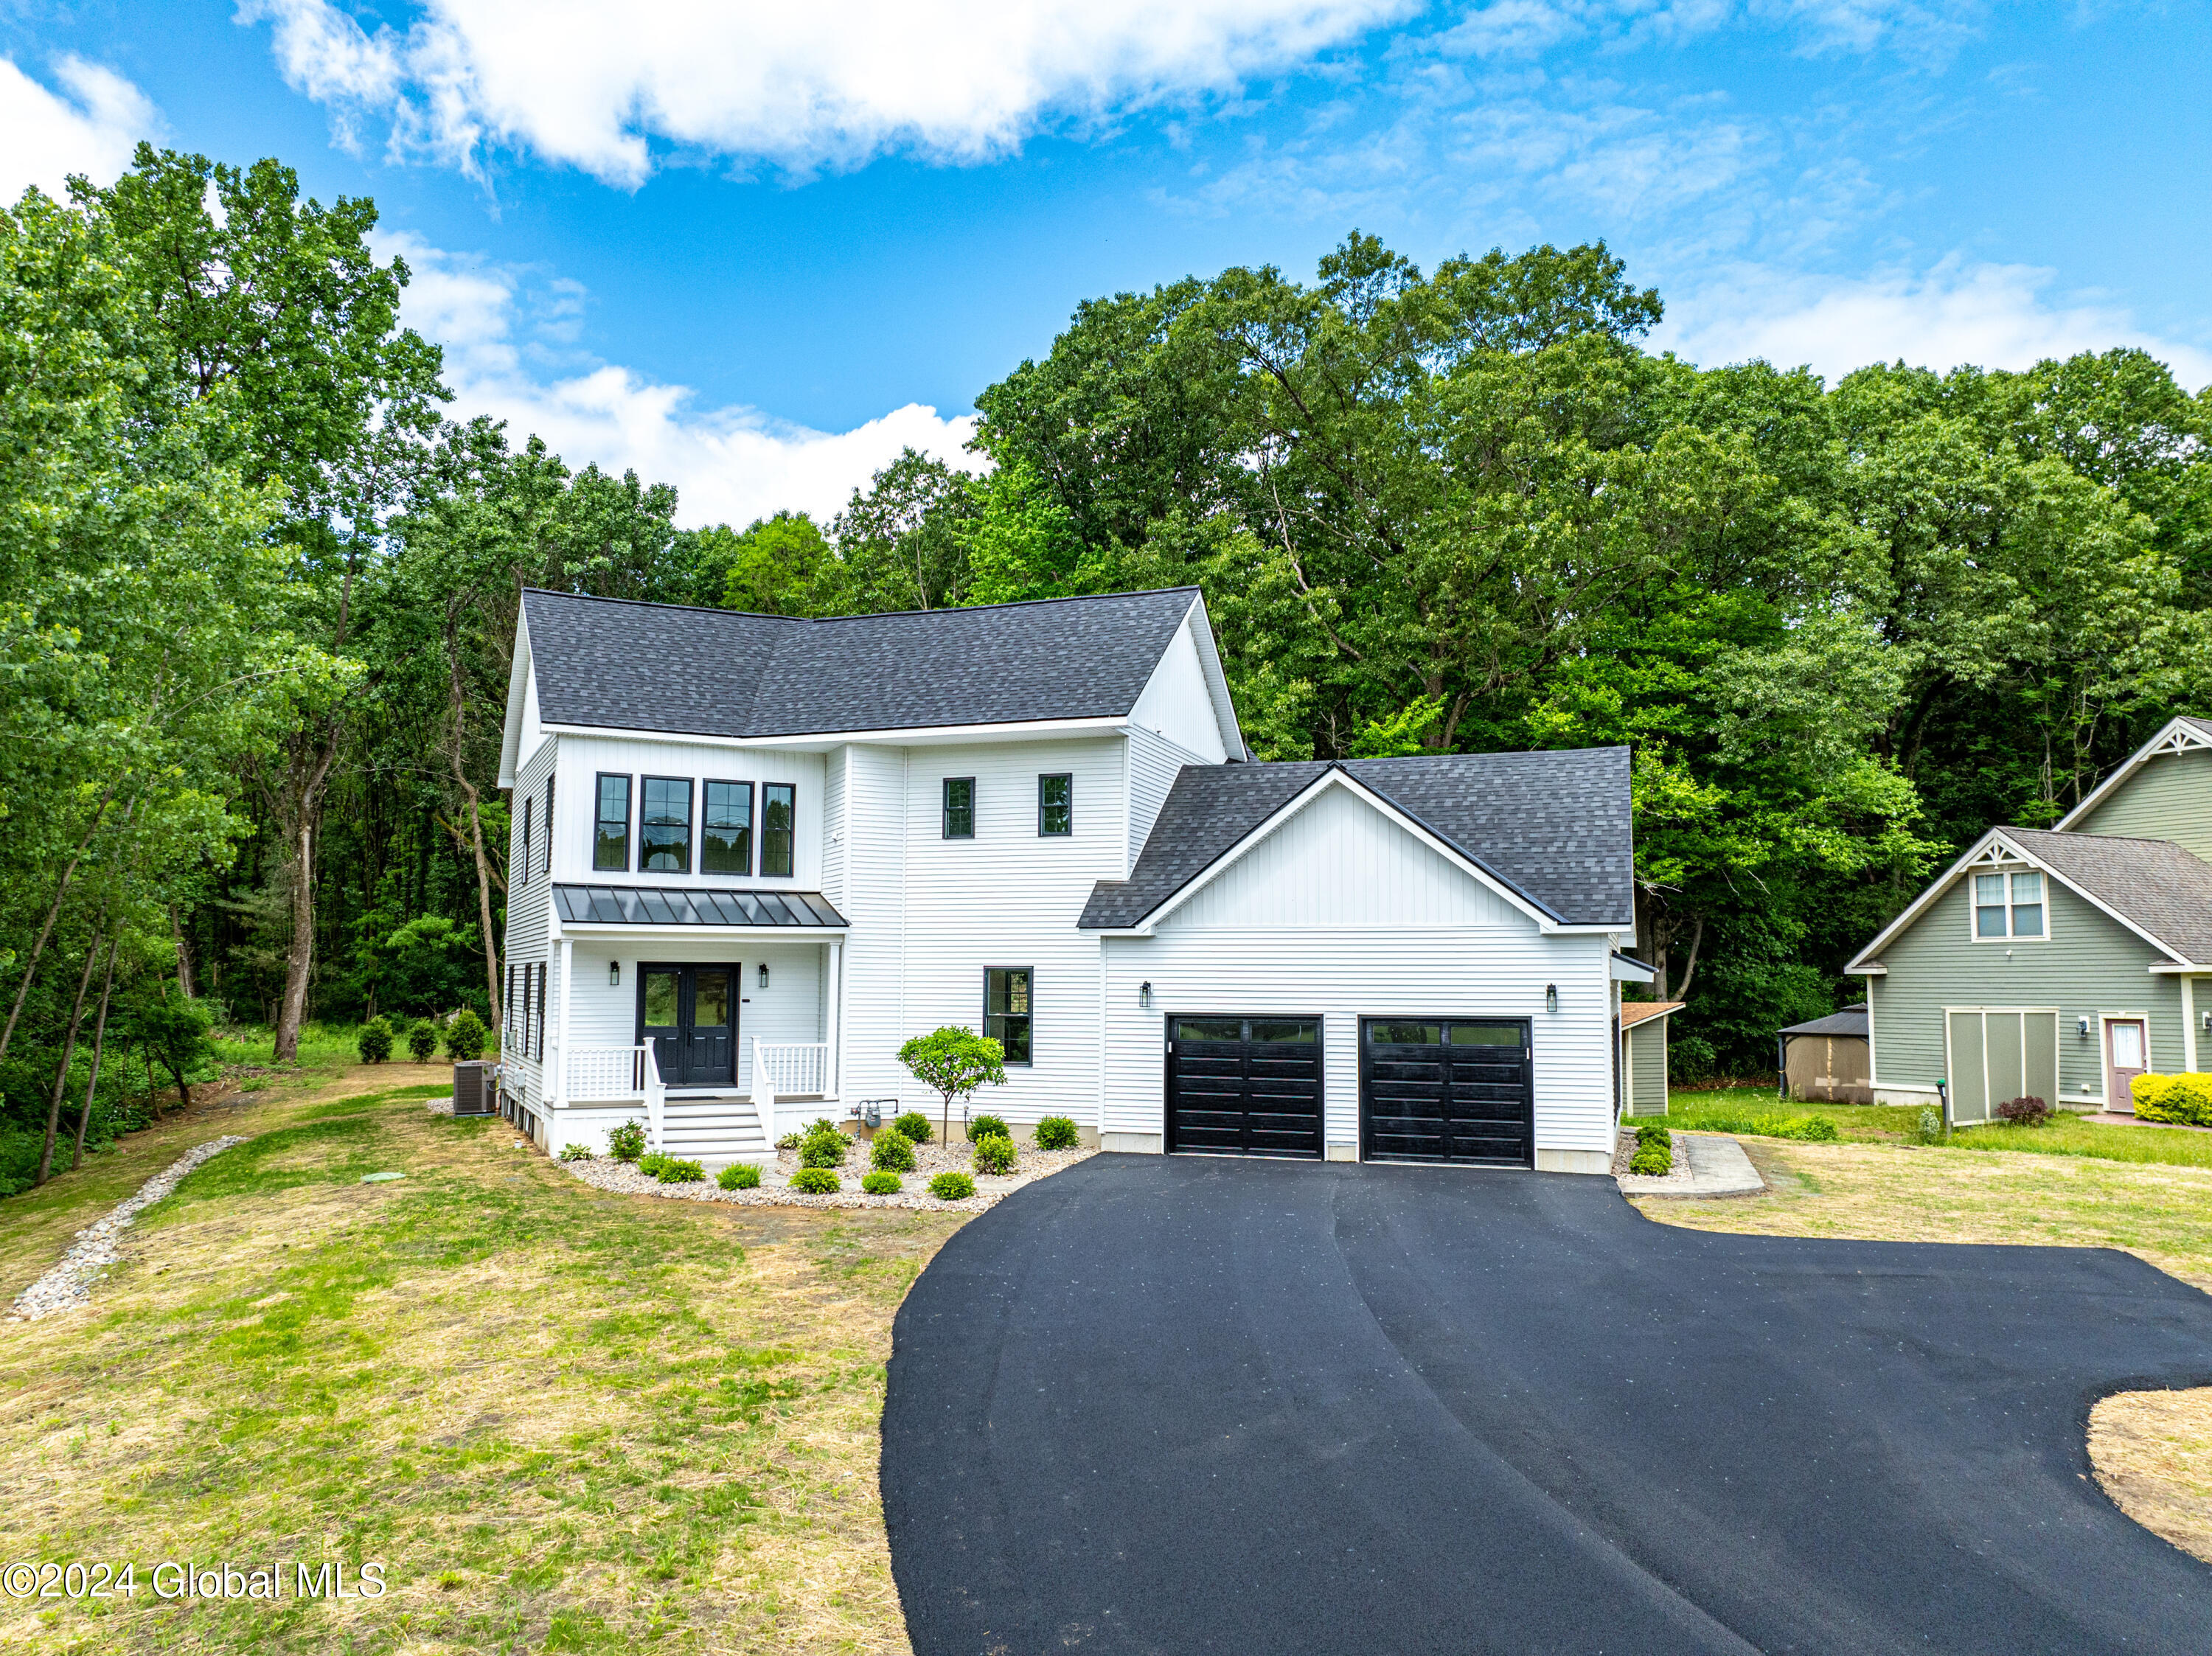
752,253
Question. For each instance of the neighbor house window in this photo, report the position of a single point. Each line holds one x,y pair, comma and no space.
779,805
2008,906
726,830
959,807
1006,1010
611,834
523,861
663,826
1057,805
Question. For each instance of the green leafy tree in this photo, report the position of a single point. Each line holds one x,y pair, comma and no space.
953,1062
780,566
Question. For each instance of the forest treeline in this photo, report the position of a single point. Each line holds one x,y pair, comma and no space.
257,592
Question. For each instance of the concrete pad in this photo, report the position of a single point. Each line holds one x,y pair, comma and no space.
1717,1167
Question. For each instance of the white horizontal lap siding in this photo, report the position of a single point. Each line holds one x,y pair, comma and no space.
833,826
789,1009
1153,763
575,805
1009,897
528,903
874,905
1343,975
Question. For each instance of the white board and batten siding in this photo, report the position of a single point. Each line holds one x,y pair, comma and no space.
791,1007
1342,915
1008,897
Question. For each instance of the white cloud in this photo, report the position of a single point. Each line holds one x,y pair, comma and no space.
43,137
1994,316
506,333
595,83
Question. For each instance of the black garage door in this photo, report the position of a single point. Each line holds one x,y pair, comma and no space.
1245,1086
1447,1090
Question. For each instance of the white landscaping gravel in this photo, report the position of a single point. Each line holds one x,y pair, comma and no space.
68,1286
930,1160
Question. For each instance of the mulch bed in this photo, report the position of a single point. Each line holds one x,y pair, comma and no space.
603,1174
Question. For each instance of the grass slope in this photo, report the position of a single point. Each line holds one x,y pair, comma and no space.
563,1419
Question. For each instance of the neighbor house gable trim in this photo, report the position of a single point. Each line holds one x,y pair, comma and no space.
1337,776
1864,963
2180,735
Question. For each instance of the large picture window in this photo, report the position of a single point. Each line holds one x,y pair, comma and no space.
1006,1010
726,830
1055,805
779,806
663,826
610,832
959,808
2008,906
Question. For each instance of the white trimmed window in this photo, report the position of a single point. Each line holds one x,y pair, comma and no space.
2008,905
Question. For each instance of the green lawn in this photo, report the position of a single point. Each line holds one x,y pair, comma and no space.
563,1419
1757,1110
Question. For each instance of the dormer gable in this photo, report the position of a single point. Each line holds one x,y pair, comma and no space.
2163,791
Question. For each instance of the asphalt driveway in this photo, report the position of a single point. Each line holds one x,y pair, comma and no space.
1170,1404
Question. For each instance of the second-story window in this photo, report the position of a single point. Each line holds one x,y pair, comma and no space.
959,807
663,826
779,808
610,832
725,829
549,827
1056,804
523,861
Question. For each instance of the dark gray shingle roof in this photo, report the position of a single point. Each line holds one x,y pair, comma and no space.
1851,1020
716,673
2152,882
1554,826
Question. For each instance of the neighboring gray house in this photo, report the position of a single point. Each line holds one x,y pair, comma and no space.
2060,963
753,854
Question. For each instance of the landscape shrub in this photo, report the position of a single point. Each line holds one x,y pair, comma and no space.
576,1153
880,1183
915,1125
892,1152
465,1037
2186,1098
738,1176
816,1181
789,1141
822,1147
626,1142
1652,1159
375,1042
1930,1129
987,1126
1653,1131
2025,1111
673,1172
952,1187
994,1153
1814,1129
650,1165
423,1041
1057,1132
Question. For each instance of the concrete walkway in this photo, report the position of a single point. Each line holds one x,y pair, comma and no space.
1716,1166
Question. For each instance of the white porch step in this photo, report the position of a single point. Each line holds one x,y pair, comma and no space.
716,1130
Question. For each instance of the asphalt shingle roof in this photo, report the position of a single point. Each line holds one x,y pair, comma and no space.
717,672
1554,826
2164,890
1851,1020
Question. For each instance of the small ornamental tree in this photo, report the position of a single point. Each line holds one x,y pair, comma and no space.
953,1062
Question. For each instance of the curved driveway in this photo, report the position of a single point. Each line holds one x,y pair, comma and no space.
1171,1405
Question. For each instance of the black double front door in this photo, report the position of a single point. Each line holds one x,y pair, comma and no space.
690,1014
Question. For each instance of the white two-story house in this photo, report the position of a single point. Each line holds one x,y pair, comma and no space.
752,855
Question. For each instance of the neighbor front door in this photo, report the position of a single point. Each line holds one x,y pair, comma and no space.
690,1014
2126,1057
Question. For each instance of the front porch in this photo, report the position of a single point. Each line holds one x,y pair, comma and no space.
717,1044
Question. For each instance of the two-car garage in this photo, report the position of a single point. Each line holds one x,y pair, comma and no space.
1451,1090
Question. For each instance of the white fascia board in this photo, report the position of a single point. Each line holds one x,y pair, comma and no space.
1216,682
1335,777
1861,965
823,741
1624,970
643,928
2179,736
518,681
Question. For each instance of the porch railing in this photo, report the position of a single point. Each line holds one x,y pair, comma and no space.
781,1068
611,1075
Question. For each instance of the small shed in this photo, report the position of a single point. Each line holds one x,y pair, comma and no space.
1829,1058
1644,1055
